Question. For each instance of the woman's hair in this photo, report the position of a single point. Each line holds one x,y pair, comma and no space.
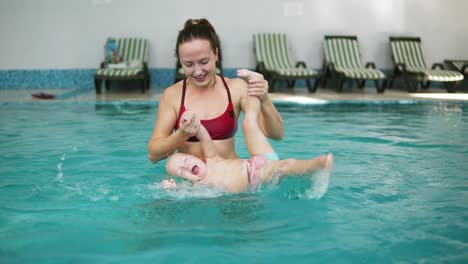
198,29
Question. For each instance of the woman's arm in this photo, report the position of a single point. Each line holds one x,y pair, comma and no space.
270,120
164,141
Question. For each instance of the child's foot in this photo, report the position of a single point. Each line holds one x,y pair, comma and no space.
329,163
321,179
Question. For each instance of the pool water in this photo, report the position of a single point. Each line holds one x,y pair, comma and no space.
76,186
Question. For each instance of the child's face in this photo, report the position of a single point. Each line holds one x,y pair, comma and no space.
186,166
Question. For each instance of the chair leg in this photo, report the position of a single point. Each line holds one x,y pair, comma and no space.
426,85
341,82
309,87
97,85
409,84
361,83
272,87
453,86
314,88
324,75
324,82
380,85
389,82
107,84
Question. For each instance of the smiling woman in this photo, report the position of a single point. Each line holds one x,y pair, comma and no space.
217,101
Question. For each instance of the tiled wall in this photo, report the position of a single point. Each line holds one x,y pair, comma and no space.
75,78
84,78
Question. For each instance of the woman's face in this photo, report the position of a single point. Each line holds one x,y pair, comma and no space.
198,61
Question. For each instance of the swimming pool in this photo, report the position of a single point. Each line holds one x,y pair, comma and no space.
76,186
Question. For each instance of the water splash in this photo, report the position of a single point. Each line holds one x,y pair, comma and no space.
186,190
320,180
319,187
59,167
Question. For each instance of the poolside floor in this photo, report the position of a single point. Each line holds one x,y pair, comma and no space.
299,95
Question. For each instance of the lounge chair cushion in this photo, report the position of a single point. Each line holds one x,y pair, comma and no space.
362,73
442,75
109,72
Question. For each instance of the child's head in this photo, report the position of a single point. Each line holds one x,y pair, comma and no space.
186,166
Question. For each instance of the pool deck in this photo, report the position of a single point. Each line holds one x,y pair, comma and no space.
299,95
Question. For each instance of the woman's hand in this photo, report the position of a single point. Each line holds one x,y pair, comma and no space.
256,84
189,123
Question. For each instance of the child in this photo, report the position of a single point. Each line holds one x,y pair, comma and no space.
237,175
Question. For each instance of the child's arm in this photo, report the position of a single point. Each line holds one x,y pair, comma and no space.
168,184
208,146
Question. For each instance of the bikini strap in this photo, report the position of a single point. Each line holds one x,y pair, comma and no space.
184,88
227,89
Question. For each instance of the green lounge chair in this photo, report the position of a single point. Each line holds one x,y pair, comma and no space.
343,61
410,64
274,61
133,54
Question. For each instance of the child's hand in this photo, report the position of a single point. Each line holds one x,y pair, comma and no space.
168,184
189,123
256,84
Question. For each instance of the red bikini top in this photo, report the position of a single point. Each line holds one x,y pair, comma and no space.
221,127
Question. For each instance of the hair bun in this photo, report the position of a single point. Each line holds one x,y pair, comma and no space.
199,22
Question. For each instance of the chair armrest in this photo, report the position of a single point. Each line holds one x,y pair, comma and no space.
400,67
370,65
438,65
463,69
301,64
330,65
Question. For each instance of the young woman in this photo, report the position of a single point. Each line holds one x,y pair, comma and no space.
216,100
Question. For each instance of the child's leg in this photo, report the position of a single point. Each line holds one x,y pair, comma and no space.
256,142
293,167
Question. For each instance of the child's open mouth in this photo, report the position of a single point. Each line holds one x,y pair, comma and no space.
195,170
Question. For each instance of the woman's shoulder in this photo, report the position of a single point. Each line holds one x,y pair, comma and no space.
173,92
237,86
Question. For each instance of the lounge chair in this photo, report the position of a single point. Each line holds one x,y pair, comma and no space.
132,64
410,64
274,61
343,61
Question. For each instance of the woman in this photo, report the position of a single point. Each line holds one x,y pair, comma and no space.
216,100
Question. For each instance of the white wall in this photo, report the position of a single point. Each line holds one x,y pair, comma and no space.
70,34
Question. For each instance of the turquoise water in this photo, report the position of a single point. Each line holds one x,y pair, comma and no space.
76,187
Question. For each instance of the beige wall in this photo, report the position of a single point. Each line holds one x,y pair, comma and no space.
63,34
